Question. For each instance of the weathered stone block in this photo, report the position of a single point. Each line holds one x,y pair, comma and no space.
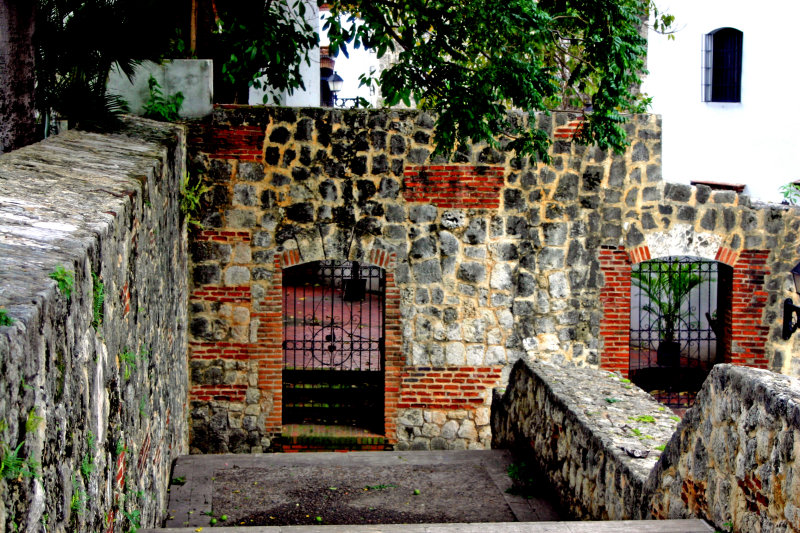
472,272
427,272
555,234
501,277
250,171
640,152
237,275
422,213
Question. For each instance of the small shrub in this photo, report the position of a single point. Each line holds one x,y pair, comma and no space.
527,480
78,501
64,279
791,193
5,320
13,466
134,518
160,106
191,194
128,358
33,421
87,464
98,298
143,408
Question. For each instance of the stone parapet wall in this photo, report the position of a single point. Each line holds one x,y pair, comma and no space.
734,457
101,410
575,424
731,460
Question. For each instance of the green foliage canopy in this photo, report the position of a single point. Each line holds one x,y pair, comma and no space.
471,62
78,41
264,43
474,61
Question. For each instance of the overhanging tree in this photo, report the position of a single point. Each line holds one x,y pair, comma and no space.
471,62
474,61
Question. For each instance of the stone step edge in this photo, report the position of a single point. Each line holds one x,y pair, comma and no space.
622,526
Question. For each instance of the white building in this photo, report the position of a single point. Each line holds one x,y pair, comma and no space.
711,133
349,68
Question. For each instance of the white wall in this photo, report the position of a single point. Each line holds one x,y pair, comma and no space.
191,77
755,142
308,97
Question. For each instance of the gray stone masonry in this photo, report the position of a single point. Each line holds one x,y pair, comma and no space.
732,460
478,287
98,413
581,427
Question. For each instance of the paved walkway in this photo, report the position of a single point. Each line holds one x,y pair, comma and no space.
485,470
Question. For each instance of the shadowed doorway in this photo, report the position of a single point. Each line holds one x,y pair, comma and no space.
333,348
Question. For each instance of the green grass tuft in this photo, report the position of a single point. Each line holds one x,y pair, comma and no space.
64,279
5,320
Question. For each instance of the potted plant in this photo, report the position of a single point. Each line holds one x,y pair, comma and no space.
667,289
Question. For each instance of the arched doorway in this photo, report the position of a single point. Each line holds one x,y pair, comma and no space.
334,344
679,326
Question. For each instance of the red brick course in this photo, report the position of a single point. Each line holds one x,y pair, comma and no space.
222,236
461,387
454,186
570,130
242,142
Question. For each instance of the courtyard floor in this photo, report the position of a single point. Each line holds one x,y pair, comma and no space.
350,488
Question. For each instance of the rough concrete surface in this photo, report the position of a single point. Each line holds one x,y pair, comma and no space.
454,486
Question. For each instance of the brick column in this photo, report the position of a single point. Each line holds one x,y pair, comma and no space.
393,356
615,298
749,299
268,351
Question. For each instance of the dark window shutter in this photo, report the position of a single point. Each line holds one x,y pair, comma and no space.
726,65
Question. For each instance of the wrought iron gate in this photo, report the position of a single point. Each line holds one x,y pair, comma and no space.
333,348
676,327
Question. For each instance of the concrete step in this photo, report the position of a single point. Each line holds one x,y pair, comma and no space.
626,526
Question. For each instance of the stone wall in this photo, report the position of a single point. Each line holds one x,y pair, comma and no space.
93,403
732,459
576,424
490,257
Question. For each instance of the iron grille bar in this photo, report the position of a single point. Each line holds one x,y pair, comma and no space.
334,343
673,318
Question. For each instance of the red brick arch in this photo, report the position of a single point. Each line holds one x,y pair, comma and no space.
747,332
268,351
